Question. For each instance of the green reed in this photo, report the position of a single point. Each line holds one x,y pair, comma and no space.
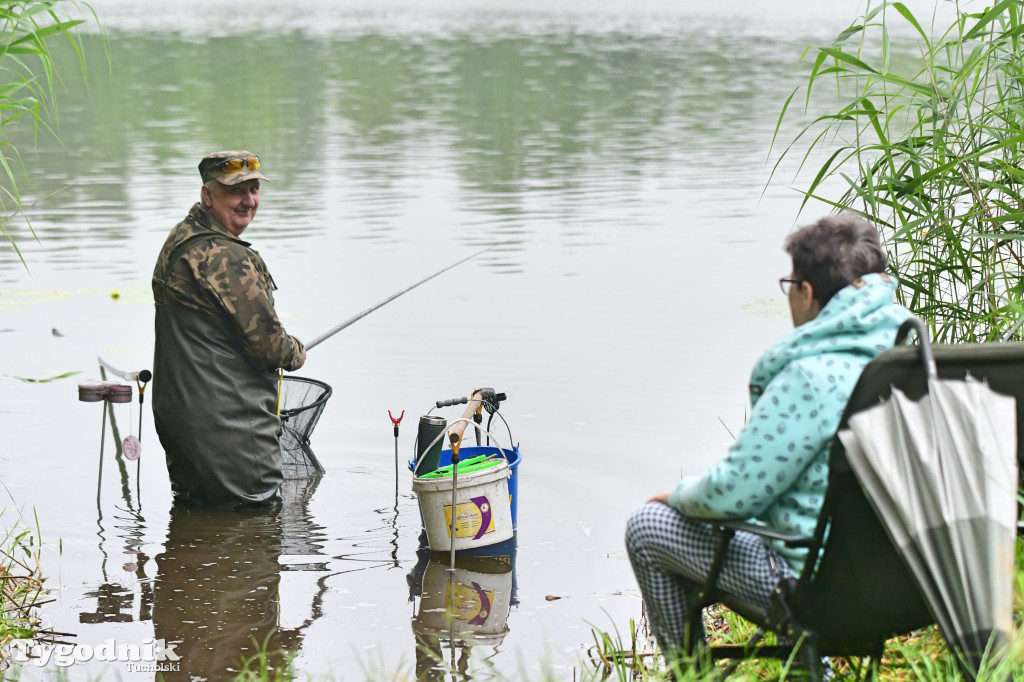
930,147
21,585
267,665
28,78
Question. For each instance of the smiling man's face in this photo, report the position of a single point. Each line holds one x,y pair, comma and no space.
234,206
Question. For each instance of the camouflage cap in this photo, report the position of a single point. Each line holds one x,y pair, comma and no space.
214,167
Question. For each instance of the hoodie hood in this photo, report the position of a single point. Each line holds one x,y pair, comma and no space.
860,320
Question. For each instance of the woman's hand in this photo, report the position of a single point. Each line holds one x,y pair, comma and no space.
661,497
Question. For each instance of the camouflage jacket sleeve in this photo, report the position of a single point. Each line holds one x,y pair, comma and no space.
236,277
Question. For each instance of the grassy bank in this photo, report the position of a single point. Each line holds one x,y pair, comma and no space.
921,655
632,654
21,585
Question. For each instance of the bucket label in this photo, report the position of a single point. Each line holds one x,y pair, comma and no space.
472,603
473,519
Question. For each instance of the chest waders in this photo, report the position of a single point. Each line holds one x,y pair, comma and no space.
214,411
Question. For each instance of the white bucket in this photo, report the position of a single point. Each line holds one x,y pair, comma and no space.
483,511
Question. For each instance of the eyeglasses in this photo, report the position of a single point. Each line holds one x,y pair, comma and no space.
786,282
236,165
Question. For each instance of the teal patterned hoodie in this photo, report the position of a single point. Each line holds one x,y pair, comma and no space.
776,471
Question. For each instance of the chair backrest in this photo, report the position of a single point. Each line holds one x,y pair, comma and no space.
862,592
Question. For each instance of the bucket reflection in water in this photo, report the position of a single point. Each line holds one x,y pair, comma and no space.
461,610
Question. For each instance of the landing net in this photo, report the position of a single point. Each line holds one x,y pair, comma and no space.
302,402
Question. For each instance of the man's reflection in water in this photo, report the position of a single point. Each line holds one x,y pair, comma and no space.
216,593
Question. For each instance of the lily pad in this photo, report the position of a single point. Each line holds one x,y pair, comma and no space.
768,307
20,299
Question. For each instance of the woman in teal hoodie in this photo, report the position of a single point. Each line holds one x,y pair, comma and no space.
776,471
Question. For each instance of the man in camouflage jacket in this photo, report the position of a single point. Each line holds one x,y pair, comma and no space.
219,344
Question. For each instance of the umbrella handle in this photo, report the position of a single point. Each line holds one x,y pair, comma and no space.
918,325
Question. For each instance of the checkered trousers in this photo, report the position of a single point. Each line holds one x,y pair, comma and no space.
671,554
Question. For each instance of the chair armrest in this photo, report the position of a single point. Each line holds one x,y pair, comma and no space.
789,539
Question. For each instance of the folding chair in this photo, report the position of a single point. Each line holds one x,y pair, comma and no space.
862,592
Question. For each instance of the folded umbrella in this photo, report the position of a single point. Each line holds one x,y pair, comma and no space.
941,473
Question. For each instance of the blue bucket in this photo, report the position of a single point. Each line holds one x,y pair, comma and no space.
513,458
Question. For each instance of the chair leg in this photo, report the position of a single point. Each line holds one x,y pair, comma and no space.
875,664
695,641
694,653
805,665
694,635
730,668
871,670
683,665
871,664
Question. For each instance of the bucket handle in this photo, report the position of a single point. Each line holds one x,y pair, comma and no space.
472,423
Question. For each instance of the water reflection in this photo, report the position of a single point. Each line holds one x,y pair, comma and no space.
510,133
115,595
462,610
215,594
302,537
216,591
218,578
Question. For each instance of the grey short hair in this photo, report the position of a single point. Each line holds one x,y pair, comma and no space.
209,184
833,252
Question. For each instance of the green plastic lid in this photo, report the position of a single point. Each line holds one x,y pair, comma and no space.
478,463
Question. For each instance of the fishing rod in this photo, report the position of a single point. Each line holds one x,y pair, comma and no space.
355,318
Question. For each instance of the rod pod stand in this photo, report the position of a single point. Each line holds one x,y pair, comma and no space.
103,392
141,378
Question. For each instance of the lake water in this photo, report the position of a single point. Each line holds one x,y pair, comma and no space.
618,150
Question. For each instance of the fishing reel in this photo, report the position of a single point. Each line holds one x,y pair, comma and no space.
487,396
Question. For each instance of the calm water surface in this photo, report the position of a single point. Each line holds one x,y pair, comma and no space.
617,150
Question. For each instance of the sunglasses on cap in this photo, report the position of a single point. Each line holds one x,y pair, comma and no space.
237,165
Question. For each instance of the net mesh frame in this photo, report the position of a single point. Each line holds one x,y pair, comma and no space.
302,403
